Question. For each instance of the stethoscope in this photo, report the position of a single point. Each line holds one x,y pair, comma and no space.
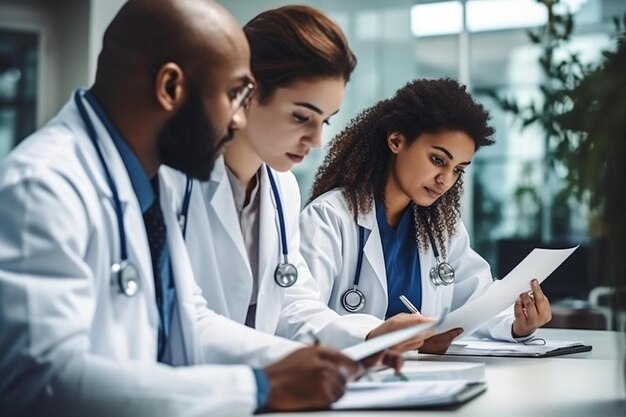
442,273
353,299
285,274
123,273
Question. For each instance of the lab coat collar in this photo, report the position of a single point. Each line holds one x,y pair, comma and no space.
368,218
112,156
138,177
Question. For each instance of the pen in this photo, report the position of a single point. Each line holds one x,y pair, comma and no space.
402,377
316,341
409,305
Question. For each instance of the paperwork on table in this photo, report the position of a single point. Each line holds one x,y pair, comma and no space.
425,370
423,384
411,394
502,294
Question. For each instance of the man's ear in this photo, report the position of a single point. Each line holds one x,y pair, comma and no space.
395,141
169,86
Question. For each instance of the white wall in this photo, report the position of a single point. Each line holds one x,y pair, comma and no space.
101,14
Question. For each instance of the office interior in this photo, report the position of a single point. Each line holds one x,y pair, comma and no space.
514,197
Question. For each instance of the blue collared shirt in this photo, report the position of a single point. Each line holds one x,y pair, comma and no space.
402,261
146,196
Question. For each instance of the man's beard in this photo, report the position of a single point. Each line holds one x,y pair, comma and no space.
189,142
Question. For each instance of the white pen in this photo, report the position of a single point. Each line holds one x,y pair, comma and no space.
409,305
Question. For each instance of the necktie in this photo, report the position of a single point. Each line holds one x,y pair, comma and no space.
155,229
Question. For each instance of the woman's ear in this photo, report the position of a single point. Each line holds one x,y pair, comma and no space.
169,86
395,141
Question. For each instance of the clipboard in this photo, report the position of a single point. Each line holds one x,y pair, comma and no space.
565,351
516,350
412,397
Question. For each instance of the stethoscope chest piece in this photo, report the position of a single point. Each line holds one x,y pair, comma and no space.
126,275
442,274
286,274
353,300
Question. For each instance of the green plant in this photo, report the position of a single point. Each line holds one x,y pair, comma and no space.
596,125
560,74
583,115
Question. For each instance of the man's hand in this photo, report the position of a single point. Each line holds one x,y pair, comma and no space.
309,378
400,321
531,311
390,358
441,342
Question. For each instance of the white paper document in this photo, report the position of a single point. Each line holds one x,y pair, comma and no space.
425,370
502,294
380,343
410,394
537,348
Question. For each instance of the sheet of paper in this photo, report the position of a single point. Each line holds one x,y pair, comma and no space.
380,343
425,370
502,294
382,395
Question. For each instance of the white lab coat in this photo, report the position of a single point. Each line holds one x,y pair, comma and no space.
330,245
70,343
220,262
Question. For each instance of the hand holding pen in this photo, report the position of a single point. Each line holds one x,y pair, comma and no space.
386,358
409,305
438,344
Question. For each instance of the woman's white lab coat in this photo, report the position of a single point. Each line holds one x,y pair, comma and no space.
330,245
70,343
220,262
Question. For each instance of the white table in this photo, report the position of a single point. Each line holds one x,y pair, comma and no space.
585,384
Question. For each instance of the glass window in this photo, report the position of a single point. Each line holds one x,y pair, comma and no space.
517,193
18,81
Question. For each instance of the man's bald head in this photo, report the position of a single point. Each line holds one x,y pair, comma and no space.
149,33
168,78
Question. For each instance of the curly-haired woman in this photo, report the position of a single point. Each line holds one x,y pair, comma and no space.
386,201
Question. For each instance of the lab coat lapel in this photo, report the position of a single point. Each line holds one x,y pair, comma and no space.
373,250
223,205
183,276
429,294
111,155
136,239
269,230
232,274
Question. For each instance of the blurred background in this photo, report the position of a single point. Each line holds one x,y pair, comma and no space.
519,192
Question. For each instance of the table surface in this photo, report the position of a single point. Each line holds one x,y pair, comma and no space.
582,384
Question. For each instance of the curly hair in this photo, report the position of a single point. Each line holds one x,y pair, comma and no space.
294,43
358,158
